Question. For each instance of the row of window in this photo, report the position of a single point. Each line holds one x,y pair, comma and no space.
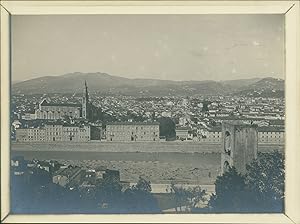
45,111
271,136
31,138
272,140
54,116
128,133
65,129
131,127
132,139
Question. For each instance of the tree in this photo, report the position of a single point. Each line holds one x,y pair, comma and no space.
138,198
179,195
167,127
143,185
195,196
261,189
189,197
265,181
230,191
108,191
205,106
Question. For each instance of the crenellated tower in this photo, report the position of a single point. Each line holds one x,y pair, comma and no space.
239,145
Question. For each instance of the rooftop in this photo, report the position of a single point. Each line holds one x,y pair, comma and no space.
45,103
133,123
238,123
182,129
270,129
69,172
216,129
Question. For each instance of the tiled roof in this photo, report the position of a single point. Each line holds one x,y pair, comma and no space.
276,122
270,129
45,103
182,129
216,129
62,105
133,123
239,123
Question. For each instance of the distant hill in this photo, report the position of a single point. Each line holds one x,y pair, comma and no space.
265,87
239,84
105,83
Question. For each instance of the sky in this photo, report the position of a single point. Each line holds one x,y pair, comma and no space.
173,47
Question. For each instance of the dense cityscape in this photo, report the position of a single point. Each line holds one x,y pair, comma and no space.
190,118
105,124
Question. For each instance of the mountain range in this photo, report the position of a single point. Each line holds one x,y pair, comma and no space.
105,83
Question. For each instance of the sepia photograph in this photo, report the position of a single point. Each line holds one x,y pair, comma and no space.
170,114
147,114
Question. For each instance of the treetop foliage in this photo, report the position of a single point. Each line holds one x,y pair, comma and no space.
261,189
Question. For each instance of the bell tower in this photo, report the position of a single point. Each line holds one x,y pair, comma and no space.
85,102
239,145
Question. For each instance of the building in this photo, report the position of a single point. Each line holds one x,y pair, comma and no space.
58,111
166,114
213,135
53,111
239,145
182,133
132,131
29,116
30,135
69,176
266,134
89,110
271,135
55,133
18,165
85,102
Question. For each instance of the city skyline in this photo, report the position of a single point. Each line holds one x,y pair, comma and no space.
171,47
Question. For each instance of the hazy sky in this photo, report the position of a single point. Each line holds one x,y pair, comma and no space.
175,47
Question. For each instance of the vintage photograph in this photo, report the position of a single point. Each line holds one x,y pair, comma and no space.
147,114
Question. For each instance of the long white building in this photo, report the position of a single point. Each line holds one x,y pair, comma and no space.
55,133
267,135
132,131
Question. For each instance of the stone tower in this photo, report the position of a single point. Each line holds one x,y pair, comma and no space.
85,102
239,145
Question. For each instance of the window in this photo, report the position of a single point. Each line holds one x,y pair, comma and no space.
226,166
227,143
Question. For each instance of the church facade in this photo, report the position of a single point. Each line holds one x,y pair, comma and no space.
82,127
53,111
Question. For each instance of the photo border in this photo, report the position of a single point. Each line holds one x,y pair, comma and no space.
291,10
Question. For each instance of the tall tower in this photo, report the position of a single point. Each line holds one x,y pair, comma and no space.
239,145
85,102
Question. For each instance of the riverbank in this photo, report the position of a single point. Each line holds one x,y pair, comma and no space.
172,146
160,162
